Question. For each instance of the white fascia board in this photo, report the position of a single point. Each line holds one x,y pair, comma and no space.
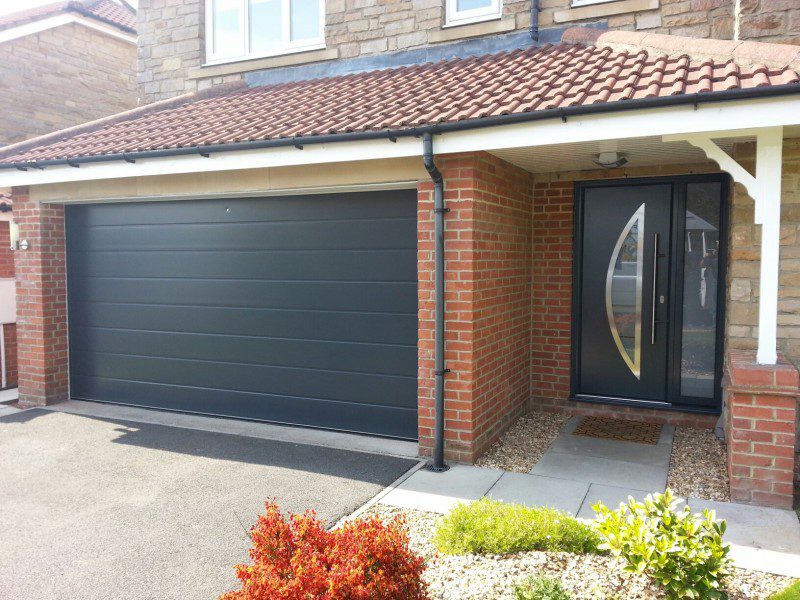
31,28
707,118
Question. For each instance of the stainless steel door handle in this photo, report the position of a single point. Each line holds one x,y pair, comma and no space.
655,279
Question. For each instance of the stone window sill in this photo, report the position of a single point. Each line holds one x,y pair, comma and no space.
457,32
605,9
259,64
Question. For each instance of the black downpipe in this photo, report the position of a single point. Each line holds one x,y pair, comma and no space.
535,20
438,465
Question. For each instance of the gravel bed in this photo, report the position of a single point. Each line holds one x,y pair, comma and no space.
524,443
697,466
585,577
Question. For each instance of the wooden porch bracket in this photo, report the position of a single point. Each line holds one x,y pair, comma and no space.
765,190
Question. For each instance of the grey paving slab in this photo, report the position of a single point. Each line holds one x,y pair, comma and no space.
763,539
440,492
590,469
535,490
105,508
650,454
9,395
609,495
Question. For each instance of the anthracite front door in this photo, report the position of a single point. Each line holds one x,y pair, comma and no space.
647,309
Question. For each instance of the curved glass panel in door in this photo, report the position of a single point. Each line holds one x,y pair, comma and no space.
624,292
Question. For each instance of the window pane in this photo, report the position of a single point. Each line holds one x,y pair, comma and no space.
228,35
462,5
265,26
700,269
305,19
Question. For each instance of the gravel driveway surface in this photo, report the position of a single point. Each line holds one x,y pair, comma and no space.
95,508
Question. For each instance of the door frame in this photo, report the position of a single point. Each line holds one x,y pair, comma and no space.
678,183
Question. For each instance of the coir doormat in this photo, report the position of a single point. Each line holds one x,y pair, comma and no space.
619,429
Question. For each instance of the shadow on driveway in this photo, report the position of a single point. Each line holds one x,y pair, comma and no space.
100,508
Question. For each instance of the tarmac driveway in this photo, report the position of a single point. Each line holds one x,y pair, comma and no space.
97,508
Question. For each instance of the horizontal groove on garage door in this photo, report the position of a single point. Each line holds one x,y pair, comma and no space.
296,309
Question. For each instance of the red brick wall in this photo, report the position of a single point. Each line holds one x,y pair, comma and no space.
10,341
6,255
551,317
41,302
488,244
9,329
761,418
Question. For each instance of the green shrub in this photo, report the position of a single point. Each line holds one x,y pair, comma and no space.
536,587
491,527
790,593
683,552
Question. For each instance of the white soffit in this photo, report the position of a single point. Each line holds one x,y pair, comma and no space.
32,27
585,131
641,152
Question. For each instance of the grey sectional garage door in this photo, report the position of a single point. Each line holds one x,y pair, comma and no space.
293,309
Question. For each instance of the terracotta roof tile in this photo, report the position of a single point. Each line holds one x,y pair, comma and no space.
459,89
104,10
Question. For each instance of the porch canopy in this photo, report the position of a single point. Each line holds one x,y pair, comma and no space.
658,98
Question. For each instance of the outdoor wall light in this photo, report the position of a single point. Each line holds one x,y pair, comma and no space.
610,160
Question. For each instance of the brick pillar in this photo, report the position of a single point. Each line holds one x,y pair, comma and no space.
760,426
41,302
487,302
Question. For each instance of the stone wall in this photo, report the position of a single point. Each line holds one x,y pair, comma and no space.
171,32
744,264
63,77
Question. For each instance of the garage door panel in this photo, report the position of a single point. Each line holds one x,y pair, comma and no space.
309,383
295,235
318,295
311,354
390,421
297,324
357,265
297,309
332,207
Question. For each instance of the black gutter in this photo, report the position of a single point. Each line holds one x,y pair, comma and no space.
534,29
438,465
507,119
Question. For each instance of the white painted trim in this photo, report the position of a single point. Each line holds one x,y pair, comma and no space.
455,17
2,355
31,28
765,190
712,119
579,3
330,189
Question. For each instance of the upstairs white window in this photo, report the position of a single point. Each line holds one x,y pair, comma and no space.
242,29
461,12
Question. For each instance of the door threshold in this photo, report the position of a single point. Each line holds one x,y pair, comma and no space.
638,403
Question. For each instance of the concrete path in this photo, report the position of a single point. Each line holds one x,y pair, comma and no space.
9,395
107,508
576,472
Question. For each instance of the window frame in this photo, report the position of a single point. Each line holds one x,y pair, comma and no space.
287,47
454,17
579,3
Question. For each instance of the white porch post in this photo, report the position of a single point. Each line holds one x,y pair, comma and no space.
765,190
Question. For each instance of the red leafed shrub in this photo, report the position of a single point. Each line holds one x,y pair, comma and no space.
297,559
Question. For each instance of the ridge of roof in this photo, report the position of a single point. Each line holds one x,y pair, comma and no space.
742,52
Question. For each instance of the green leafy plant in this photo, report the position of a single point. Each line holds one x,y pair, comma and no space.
790,593
537,587
490,527
683,552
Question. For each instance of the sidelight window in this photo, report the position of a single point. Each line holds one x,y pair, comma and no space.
242,29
